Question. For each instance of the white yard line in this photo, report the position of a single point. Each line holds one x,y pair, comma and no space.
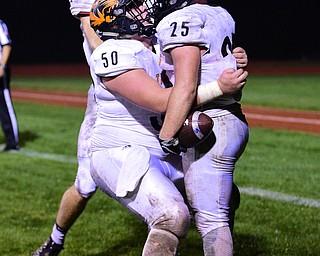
276,196
281,197
49,156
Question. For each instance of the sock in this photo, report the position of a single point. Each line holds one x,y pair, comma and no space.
58,234
218,242
159,243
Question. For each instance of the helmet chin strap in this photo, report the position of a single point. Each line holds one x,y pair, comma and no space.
146,41
109,35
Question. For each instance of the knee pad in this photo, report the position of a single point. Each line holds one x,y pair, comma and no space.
84,183
176,220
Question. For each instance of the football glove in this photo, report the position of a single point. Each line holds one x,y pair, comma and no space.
172,146
80,7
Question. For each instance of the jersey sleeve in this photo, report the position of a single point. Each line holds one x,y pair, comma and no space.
115,57
180,28
4,34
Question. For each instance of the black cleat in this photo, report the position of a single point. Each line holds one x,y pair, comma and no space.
49,248
12,147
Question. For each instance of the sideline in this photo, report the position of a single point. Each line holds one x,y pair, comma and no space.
48,156
266,194
297,120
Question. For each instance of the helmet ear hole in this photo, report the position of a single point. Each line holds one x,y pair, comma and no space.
158,9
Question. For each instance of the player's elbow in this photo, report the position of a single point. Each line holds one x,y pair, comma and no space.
160,107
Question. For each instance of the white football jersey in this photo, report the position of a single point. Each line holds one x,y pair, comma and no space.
86,49
4,36
120,122
205,26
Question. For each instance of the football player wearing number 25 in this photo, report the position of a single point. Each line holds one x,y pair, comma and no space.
195,36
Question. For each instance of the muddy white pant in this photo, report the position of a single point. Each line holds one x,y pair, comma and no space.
140,182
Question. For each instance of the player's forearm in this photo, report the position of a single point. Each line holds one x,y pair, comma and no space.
179,104
93,39
186,61
6,50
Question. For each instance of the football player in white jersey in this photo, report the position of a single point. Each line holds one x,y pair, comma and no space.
196,40
127,161
75,198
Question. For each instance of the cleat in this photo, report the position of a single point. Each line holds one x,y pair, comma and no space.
12,148
49,248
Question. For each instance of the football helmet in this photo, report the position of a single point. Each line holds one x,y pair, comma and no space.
158,9
120,19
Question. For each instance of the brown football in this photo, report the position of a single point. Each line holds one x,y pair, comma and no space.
195,129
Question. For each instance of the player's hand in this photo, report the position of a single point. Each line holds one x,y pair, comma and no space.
80,7
231,81
241,57
172,146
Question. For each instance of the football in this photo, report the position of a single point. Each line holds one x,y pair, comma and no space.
197,127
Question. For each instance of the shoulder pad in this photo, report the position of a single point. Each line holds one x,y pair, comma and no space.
114,57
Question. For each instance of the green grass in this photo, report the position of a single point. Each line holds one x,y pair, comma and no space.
48,128
75,84
295,92
277,161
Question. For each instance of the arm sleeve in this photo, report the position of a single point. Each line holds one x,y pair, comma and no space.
4,34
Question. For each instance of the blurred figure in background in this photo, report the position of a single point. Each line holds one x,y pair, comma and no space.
7,114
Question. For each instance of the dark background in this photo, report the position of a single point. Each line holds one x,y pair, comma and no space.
45,32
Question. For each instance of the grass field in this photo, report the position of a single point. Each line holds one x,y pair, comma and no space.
278,176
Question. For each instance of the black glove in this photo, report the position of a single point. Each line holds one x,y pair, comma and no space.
172,146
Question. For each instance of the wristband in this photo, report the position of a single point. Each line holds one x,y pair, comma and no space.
83,14
4,66
208,92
